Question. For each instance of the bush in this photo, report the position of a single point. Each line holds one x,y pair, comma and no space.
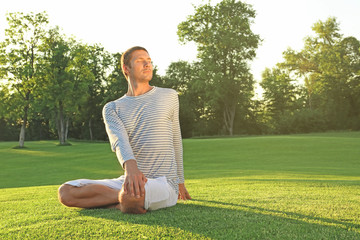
301,121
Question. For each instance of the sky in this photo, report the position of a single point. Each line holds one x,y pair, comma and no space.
118,25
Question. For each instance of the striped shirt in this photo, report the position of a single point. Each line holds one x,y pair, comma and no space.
146,128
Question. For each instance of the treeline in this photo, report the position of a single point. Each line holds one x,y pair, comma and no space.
56,86
317,88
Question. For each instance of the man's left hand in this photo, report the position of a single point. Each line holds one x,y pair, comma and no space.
183,193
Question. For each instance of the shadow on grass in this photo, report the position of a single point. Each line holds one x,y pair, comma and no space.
290,215
235,221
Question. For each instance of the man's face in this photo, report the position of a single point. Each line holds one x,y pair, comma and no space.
140,69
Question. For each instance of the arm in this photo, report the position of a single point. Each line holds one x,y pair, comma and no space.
177,141
118,137
119,140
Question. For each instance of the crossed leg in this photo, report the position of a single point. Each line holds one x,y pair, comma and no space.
96,195
87,196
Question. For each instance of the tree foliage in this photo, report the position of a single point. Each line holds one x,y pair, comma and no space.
280,92
65,81
329,65
20,60
225,44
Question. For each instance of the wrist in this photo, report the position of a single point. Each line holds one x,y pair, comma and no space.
130,165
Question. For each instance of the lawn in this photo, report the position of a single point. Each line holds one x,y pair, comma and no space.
265,187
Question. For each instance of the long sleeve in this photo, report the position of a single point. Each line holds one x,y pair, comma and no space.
177,141
146,128
118,137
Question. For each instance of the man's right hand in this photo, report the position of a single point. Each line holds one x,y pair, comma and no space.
134,179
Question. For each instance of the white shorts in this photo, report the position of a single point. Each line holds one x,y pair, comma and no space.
158,193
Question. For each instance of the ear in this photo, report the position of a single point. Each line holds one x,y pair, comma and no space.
126,69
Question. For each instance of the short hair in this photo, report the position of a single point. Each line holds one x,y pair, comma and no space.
126,57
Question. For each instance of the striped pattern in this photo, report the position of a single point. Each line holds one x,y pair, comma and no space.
146,128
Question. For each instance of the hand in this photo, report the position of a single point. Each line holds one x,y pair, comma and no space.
183,193
134,179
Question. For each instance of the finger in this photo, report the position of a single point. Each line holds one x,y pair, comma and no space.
131,188
126,186
182,196
185,195
136,189
142,188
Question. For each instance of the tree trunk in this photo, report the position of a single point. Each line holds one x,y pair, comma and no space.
61,130
229,116
90,129
58,124
67,129
310,102
23,127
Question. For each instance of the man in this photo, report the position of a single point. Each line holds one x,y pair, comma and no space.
144,131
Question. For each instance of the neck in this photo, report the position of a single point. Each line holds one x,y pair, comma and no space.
137,89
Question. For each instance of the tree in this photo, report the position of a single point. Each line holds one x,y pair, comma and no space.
99,62
279,91
20,60
65,79
283,101
350,65
329,65
8,113
116,85
318,55
225,45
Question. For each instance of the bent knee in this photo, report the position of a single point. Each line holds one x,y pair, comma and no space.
65,196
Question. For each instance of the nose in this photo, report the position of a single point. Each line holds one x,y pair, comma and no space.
147,64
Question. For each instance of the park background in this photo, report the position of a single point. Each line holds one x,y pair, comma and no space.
55,80
281,77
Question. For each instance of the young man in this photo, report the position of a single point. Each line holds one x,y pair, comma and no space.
144,131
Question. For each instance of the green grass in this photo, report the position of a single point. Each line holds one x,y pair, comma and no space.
271,187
